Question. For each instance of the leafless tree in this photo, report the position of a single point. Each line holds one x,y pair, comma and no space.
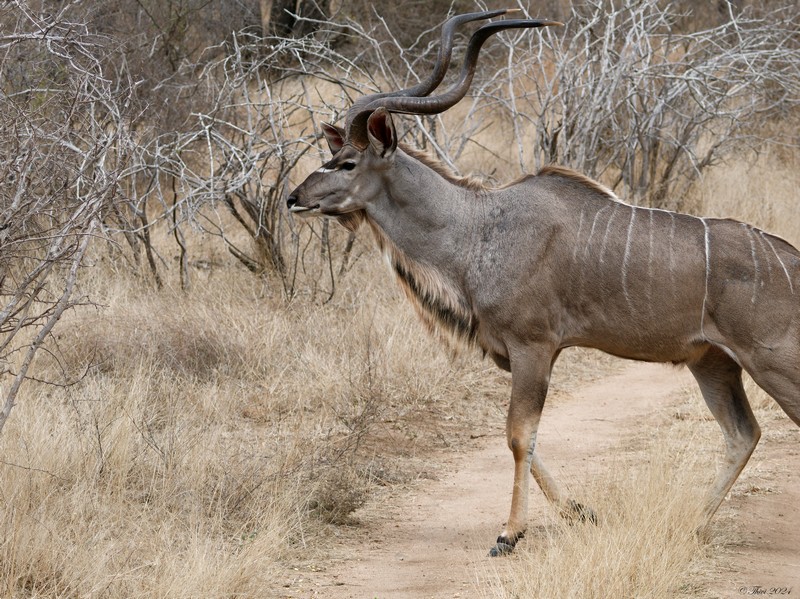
62,137
624,92
287,18
618,95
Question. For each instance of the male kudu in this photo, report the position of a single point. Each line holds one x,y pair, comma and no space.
557,260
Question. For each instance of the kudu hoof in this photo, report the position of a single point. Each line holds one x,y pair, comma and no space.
703,532
503,546
578,512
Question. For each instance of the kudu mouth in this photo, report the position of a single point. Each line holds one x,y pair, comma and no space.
315,209
293,206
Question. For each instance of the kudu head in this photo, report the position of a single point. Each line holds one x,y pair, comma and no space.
364,149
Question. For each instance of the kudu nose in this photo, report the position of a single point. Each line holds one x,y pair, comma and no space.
291,201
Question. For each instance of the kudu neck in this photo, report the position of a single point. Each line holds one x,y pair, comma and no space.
421,223
422,213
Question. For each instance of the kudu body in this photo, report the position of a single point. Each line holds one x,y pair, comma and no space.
557,260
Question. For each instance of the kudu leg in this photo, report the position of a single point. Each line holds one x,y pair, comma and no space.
530,375
568,508
720,380
780,378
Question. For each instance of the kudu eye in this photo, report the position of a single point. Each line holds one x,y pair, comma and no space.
348,166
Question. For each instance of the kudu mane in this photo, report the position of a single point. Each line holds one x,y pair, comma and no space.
443,309
439,167
475,184
576,177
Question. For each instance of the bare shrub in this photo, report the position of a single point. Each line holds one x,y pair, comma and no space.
622,94
337,494
622,97
63,136
153,40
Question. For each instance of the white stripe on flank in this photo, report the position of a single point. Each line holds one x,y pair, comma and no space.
763,246
577,237
627,255
591,233
756,270
708,273
783,266
608,228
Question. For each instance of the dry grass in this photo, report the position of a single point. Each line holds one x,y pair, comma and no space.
119,488
763,193
208,439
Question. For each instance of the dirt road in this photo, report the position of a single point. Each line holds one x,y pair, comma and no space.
432,541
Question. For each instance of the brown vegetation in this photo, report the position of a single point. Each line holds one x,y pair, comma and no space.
229,386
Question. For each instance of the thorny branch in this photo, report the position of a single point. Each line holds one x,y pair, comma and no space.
621,97
62,136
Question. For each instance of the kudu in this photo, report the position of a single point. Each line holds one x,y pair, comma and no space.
557,260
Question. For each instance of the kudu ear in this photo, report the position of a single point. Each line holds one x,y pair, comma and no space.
335,137
381,133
